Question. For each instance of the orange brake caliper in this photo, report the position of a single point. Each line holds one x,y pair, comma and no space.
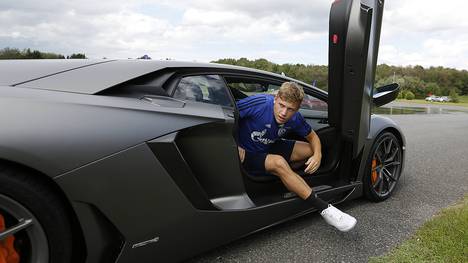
8,253
374,171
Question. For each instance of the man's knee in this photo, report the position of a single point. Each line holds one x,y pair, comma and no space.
276,164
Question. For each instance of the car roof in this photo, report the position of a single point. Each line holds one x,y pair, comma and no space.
15,72
92,76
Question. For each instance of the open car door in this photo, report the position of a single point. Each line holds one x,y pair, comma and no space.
353,47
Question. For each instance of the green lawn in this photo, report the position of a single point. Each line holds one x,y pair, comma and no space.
442,239
463,101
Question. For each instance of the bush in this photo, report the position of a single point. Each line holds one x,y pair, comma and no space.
454,96
401,95
409,95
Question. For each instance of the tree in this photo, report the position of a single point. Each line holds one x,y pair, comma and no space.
14,53
77,56
409,95
433,89
10,53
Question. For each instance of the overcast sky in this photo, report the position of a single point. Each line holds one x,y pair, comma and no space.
414,32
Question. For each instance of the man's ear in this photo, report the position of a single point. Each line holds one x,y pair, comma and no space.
299,106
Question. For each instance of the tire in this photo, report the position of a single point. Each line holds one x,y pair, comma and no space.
26,200
384,166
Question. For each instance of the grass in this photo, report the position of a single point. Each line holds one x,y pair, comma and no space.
463,101
442,239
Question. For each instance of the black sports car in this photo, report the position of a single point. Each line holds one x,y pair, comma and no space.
136,161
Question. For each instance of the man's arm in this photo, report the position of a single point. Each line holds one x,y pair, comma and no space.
313,163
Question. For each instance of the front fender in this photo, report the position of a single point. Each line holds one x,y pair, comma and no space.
378,125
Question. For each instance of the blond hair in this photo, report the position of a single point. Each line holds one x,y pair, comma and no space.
291,92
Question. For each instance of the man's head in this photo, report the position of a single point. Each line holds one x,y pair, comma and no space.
287,101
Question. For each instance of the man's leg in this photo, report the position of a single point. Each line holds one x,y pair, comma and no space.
277,165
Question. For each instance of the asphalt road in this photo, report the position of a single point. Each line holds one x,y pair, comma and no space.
435,176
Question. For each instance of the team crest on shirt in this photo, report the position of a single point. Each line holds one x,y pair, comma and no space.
282,131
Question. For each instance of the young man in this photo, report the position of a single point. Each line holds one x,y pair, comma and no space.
264,120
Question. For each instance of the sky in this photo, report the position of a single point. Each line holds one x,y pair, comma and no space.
414,32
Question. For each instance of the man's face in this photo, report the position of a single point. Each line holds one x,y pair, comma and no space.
284,110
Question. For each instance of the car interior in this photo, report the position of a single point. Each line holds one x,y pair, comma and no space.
268,188
261,190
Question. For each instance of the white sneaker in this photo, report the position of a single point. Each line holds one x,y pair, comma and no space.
338,219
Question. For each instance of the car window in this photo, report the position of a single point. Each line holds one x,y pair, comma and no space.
250,87
312,103
203,88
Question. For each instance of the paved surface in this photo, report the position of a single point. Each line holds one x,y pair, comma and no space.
436,176
429,105
449,106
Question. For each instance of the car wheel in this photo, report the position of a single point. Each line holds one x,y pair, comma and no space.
34,224
383,167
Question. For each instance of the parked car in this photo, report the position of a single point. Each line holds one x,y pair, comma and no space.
432,98
136,160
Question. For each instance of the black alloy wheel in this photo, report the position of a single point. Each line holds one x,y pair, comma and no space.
34,223
23,230
384,167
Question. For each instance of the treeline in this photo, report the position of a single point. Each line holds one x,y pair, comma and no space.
305,73
414,80
14,53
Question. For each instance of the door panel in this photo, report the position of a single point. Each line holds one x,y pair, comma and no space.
211,152
353,47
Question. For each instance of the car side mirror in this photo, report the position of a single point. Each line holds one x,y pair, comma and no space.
385,94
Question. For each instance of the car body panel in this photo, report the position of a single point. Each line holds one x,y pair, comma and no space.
98,77
15,72
77,121
155,207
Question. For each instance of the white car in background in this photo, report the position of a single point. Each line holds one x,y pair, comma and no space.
438,99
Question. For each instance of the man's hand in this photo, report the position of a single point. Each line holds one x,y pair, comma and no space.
313,163
241,154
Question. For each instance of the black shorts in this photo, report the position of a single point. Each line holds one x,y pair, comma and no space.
254,163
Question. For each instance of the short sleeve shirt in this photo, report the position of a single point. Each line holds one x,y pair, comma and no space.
257,125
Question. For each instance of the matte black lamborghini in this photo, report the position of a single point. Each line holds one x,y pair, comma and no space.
136,161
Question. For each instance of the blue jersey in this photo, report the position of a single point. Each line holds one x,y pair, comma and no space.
257,125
